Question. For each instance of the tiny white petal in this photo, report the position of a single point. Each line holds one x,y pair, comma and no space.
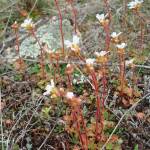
67,43
114,34
90,61
46,93
76,39
133,4
102,53
74,81
68,65
49,88
27,23
100,17
121,46
52,83
69,95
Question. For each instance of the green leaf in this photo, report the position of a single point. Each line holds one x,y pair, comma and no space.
92,146
34,69
45,112
106,115
136,147
18,77
47,68
109,146
62,69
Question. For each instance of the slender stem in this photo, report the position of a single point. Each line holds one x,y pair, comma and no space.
83,128
122,72
69,80
107,39
75,16
108,9
104,81
99,114
41,55
18,46
53,66
81,58
76,114
61,25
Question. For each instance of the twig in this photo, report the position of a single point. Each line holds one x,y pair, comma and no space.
24,130
47,137
7,144
32,8
135,104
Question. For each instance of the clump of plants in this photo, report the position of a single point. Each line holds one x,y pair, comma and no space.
85,117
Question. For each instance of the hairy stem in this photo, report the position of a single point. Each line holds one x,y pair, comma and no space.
61,25
107,39
99,113
80,126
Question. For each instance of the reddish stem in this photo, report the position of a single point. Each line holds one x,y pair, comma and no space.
18,46
99,114
81,58
61,26
122,72
69,80
75,16
107,39
80,127
104,82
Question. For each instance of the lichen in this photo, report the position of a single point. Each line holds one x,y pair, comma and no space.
48,34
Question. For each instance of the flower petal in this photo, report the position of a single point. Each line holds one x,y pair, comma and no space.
67,43
76,39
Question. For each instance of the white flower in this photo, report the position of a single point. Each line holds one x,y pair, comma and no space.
70,95
49,88
27,24
129,62
101,54
121,46
68,65
72,44
90,61
101,17
115,35
134,4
